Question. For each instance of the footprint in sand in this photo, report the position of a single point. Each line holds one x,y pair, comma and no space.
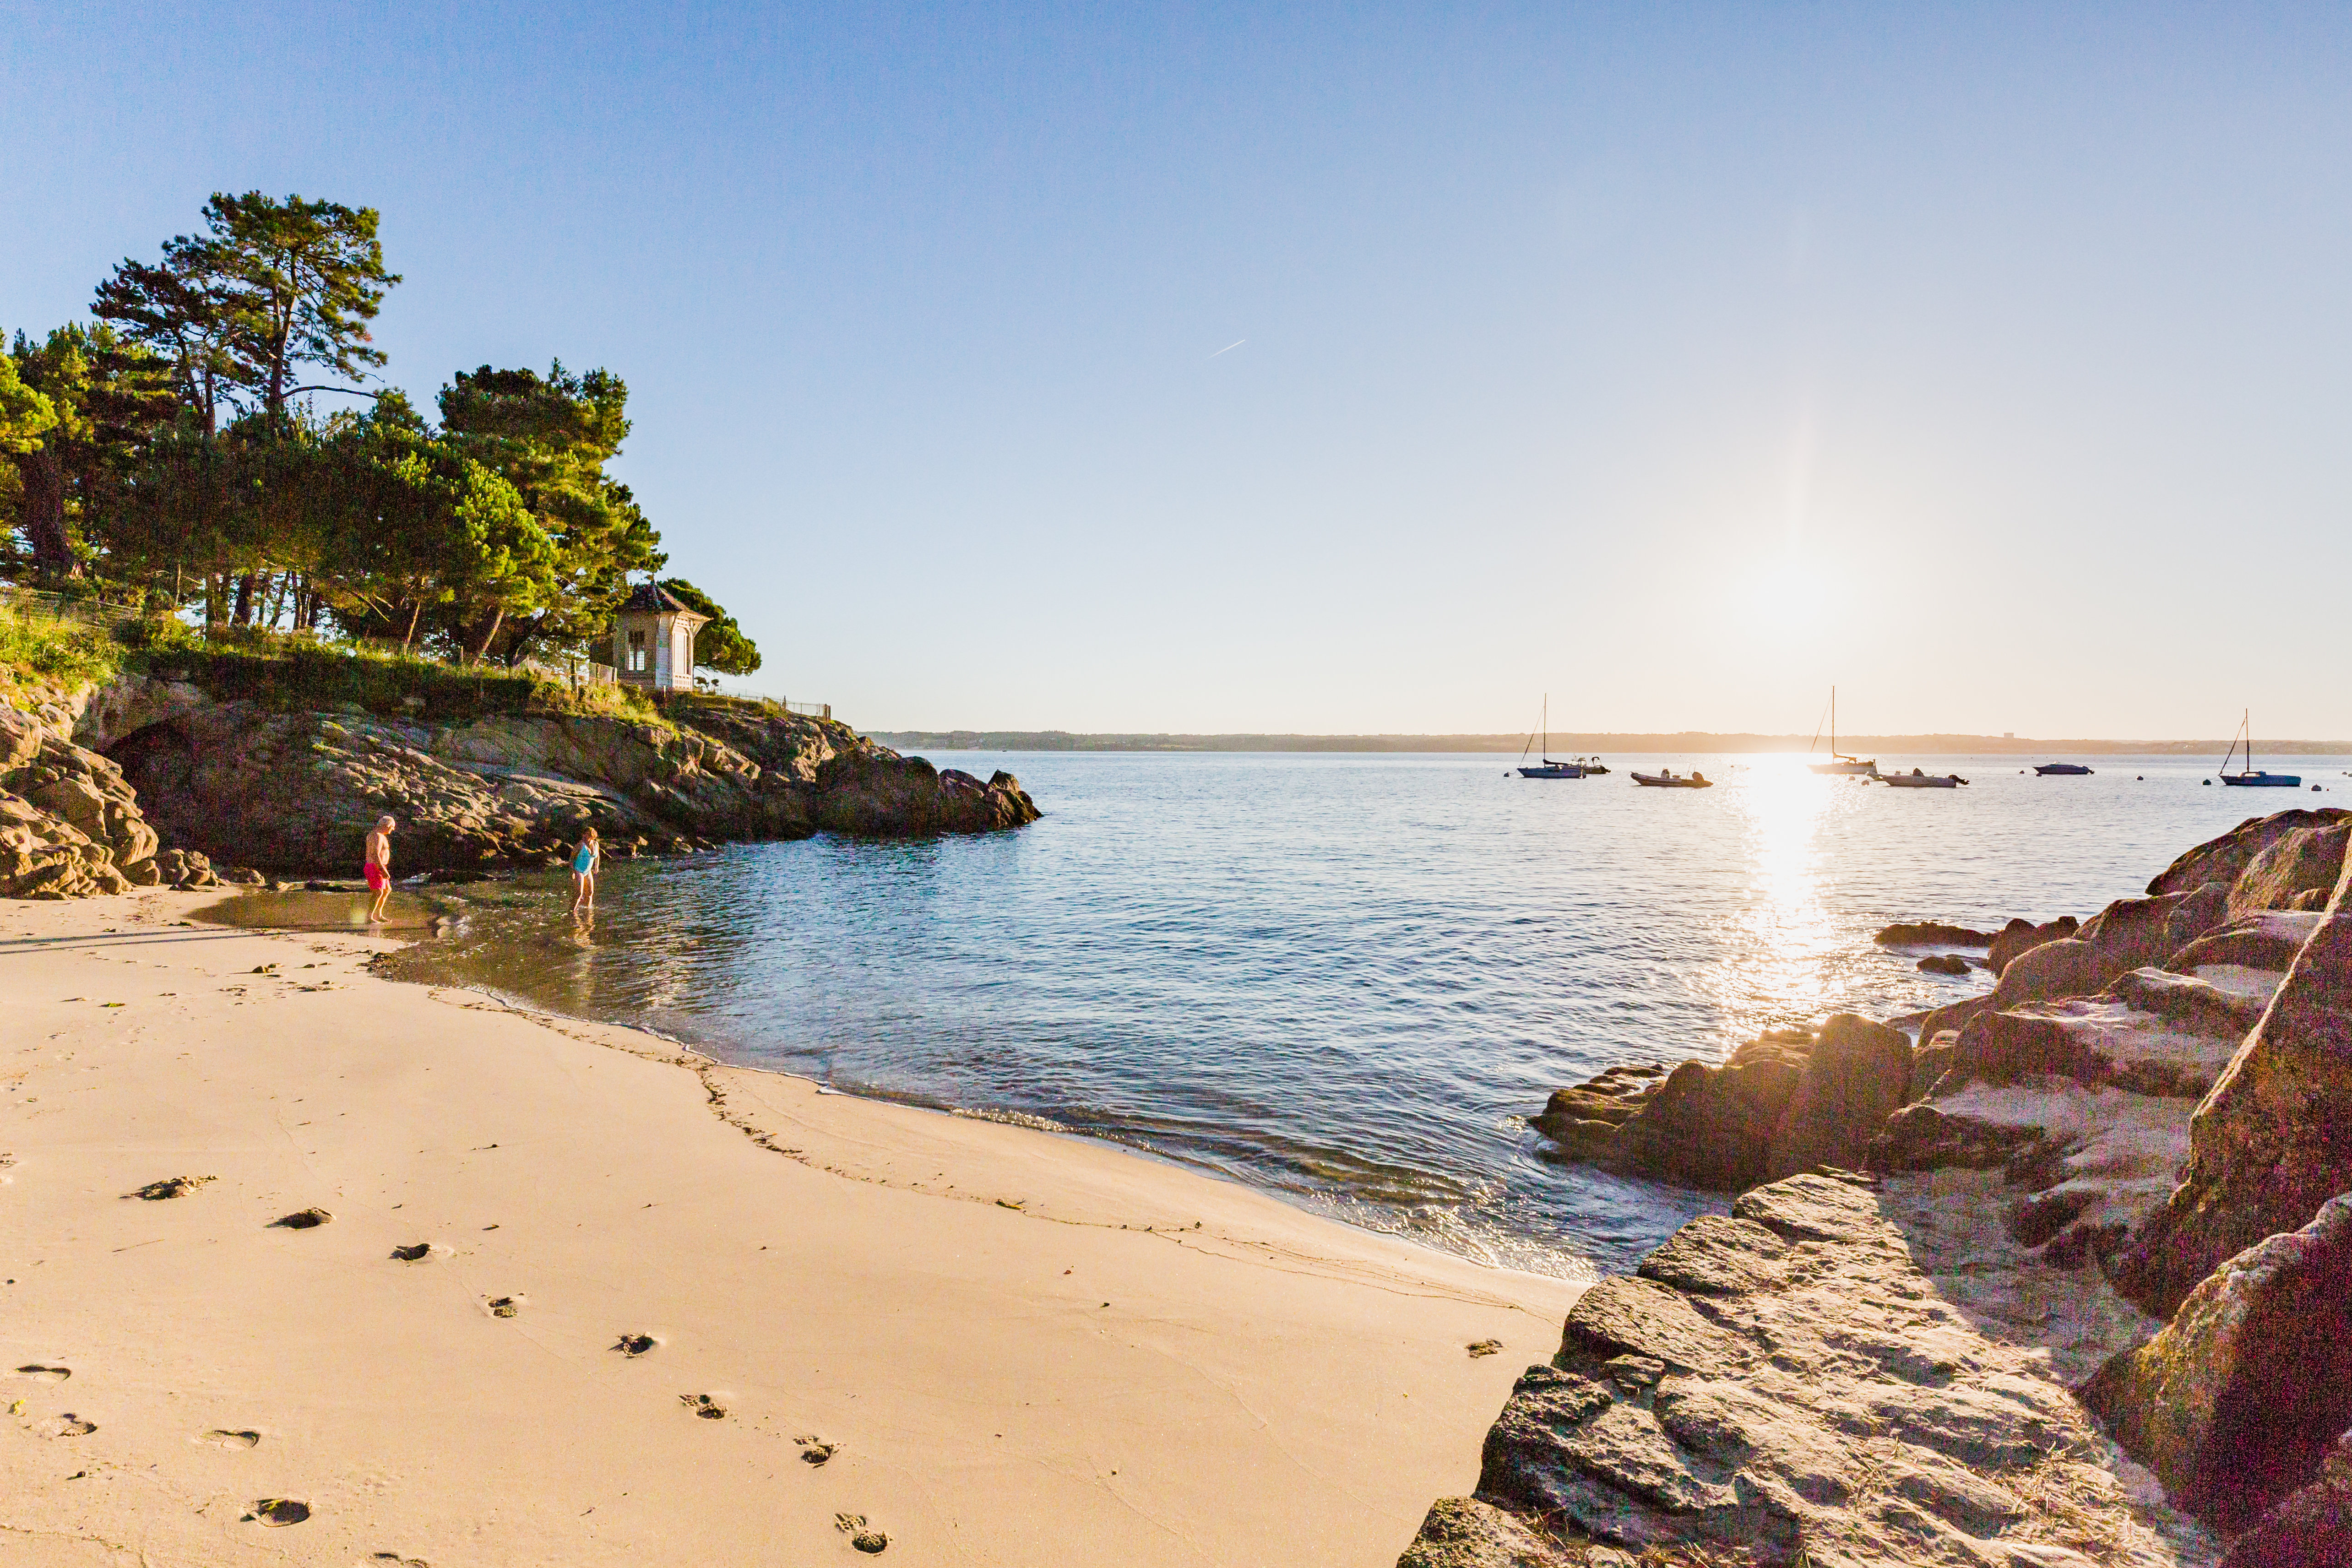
415,1253
174,1187
280,1511
704,1406
221,1437
813,1450
1484,1347
46,1373
505,1306
862,1535
69,1425
302,1219
397,1561
635,1344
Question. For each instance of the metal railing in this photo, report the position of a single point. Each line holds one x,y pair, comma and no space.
706,687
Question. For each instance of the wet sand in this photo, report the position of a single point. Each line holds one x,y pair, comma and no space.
1007,1347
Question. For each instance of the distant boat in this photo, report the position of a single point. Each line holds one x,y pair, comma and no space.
2061,769
1839,762
1914,780
1550,770
2254,777
1592,765
1665,779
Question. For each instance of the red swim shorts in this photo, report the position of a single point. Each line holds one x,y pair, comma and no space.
376,877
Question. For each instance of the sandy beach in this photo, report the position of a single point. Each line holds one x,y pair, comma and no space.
1015,1347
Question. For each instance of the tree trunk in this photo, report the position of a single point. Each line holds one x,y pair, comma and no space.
244,615
484,651
414,611
44,513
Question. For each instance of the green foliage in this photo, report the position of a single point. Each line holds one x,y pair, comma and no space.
720,645
269,287
291,672
169,453
68,653
550,436
26,414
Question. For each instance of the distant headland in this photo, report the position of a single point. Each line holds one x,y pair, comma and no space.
1564,744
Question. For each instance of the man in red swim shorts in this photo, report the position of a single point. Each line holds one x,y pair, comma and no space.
379,864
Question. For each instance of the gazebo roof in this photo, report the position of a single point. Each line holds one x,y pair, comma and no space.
653,599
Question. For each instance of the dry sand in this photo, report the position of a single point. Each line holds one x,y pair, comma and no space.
1022,1349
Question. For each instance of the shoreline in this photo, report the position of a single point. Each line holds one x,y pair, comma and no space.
904,1287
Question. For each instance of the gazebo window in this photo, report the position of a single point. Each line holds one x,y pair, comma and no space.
636,650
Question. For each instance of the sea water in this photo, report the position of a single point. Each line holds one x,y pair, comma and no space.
1347,979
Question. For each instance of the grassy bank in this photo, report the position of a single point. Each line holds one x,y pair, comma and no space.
290,673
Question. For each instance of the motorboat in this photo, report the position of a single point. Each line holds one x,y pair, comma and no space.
1549,768
1838,763
1666,778
2254,777
2062,770
1914,780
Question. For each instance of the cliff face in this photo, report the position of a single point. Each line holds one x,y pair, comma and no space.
91,786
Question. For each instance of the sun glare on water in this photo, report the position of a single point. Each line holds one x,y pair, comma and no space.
1777,970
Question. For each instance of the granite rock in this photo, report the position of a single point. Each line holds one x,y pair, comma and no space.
2237,1401
1810,1398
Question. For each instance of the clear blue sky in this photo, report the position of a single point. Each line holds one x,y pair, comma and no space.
1993,362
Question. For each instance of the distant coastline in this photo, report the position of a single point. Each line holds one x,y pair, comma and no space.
1578,745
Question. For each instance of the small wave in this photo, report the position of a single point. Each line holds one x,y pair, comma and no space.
1011,1119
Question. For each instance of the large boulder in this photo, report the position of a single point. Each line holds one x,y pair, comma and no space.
1857,1074
1784,1103
876,791
2022,936
2297,865
2225,859
2274,1140
2236,1402
1787,1386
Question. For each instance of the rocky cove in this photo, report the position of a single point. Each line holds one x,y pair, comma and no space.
2060,1274
184,777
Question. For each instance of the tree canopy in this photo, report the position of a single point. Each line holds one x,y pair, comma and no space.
172,448
720,645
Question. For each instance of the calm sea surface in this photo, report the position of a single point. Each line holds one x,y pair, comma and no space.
1345,978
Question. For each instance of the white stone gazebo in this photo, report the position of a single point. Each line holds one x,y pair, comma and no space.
652,639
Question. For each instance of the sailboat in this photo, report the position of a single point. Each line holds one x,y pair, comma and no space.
1550,770
1839,762
2254,777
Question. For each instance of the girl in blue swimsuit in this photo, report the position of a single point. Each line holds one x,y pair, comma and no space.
585,861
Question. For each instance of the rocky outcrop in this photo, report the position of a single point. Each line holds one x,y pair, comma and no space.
1931,934
2310,836
2274,1140
1785,1385
1463,1532
1784,1103
2022,936
297,791
876,792
70,826
2235,1404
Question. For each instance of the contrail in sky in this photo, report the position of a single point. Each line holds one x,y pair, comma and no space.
1229,348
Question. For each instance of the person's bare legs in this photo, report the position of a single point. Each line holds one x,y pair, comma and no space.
579,891
384,893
